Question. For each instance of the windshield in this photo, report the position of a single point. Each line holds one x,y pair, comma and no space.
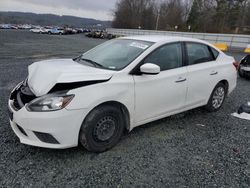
115,54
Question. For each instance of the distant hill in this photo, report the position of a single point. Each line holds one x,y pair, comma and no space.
49,19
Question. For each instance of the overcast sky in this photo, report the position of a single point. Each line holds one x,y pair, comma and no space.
97,9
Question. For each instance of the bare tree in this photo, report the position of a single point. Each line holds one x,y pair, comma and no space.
134,14
171,14
196,15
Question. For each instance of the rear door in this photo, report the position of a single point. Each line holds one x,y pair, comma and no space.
203,72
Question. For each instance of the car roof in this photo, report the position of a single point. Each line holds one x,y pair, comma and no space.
163,38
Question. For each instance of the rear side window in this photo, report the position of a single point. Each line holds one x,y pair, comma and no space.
166,57
198,53
215,52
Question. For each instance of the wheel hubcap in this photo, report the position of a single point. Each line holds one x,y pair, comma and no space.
105,128
218,97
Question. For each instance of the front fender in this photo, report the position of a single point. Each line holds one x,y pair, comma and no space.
120,90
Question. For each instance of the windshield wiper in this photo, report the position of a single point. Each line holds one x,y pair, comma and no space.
92,62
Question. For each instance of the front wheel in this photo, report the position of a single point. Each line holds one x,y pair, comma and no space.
217,98
102,128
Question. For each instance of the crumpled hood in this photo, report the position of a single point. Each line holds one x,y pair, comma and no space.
44,75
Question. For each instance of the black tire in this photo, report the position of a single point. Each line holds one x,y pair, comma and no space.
211,106
97,120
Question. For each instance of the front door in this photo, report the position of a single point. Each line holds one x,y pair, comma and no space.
158,95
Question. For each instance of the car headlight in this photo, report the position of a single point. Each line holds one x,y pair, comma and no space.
50,102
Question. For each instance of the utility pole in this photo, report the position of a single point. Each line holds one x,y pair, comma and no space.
243,13
241,16
158,6
157,20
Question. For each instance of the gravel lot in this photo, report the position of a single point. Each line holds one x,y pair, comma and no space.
192,149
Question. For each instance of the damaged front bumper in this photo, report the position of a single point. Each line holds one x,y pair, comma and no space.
57,129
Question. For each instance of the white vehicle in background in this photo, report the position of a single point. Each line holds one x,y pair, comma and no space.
25,26
117,86
56,31
74,31
5,26
46,30
38,30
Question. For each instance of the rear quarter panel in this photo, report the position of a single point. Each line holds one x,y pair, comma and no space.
227,71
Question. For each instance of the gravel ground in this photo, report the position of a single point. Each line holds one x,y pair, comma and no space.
192,149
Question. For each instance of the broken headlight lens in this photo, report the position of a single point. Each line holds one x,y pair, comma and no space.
50,102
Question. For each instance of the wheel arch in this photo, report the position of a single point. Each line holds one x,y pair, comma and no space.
120,106
226,83
209,106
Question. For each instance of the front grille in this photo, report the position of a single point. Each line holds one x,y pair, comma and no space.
46,137
16,105
22,96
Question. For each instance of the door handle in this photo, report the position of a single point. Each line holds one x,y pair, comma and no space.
213,73
180,79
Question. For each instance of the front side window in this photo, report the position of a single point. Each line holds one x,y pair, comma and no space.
198,53
114,54
166,57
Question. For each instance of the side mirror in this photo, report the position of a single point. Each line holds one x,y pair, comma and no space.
150,68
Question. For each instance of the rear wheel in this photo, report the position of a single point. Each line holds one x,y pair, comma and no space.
217,98
102,128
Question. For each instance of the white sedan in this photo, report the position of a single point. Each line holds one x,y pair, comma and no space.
117,86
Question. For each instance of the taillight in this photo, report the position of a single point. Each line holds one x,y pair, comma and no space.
236,65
